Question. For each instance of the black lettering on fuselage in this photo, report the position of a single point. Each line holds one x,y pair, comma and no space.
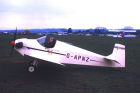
83,58
79,57
87,59
75,57
68,55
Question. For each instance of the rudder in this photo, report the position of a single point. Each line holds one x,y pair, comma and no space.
118,54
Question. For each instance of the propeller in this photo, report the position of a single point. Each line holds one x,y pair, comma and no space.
13,42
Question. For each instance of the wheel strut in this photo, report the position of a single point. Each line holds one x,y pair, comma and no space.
33,65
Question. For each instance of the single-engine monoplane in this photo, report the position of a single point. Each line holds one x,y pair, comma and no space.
62,53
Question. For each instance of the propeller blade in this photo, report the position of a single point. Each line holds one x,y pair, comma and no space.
12,49
15,35
13,42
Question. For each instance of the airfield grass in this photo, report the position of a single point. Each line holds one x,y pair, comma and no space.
51,78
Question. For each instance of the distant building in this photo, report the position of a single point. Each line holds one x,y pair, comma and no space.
88,34
5,33
62,33
122,33
26,32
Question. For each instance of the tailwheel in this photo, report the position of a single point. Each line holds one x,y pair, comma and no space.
33,66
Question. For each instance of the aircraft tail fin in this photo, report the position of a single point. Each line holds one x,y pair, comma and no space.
118,54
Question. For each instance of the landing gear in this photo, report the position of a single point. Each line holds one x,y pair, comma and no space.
33,65
31,68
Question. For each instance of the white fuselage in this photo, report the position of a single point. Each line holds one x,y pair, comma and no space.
63,53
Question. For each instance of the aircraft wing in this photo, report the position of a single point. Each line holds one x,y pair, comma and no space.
46,55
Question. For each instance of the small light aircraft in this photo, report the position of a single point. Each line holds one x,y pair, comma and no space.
64,53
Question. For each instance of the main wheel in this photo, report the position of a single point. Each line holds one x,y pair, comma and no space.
31,68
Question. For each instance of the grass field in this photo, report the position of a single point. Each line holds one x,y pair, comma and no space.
51,78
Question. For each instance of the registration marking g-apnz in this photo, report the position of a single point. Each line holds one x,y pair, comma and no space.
79,57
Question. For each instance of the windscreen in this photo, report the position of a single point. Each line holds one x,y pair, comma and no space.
42,40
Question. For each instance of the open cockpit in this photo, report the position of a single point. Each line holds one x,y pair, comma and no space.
47,42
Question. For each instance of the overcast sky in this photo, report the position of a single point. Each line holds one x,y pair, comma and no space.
69,13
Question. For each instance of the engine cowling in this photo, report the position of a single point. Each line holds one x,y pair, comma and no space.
19,45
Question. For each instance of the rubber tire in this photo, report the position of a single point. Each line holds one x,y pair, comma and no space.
31,69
